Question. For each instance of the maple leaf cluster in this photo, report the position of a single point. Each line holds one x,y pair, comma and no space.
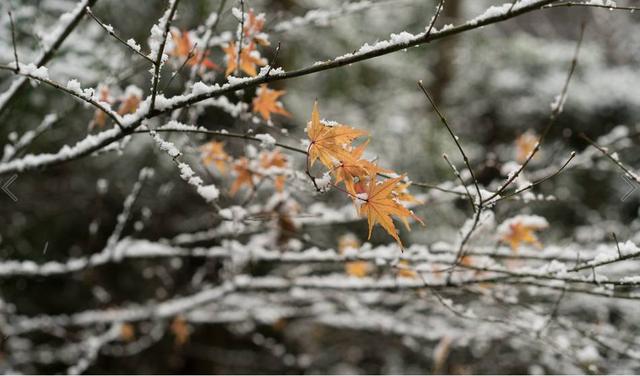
266,101
376,199
250,57
248,172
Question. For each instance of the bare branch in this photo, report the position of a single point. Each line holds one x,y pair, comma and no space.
166,22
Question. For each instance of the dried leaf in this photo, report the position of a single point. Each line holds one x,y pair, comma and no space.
521,233
244,176
378,205
100,117
266,102
405,270
180,330
358,269
213,153
129,104
127,332
185,49
525,145
253,28
249,59
276,160
328,143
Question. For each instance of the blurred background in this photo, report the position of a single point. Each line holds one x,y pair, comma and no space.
493,84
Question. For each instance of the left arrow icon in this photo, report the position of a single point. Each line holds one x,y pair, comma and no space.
5,187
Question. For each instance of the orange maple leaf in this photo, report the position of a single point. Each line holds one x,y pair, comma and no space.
277,160
520,233
378,205
184,48
127,332
358,269
214,153
131,101
100,117
405,270
354,167
329,143
249,59
253,28
401,193
525,145
180,330
244,175
266,102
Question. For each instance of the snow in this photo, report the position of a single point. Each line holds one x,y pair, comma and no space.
236,215
32,70
233,80
324,182
605,3
404,38
588,354
500,10
166,146
133,91
322,16
209,192
187,174
530,221
157,35
200,88
32,161
492,11
266,140
74,86
133,44
155,41
272,71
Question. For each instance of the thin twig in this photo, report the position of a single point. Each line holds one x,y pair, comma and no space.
589,5
240,37
615,161
220,134
437,188
513,5
184,63
477,208
13,42
457,173
537,182
555,111
455,139
615,239
274,59
435,17
109,30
